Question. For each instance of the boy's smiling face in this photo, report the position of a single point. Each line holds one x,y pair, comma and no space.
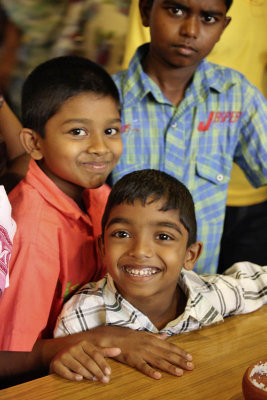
183,32
145,249
82,143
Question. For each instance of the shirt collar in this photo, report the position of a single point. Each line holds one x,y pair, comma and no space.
197,307
137,83
129,316
36,178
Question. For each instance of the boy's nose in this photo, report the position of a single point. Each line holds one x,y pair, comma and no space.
141,249
190,26
97,145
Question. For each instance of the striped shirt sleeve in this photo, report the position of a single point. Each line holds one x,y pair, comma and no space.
241,289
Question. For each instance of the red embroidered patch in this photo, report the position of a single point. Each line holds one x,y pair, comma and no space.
219,117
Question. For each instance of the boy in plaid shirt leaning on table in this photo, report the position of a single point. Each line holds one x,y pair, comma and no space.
149,247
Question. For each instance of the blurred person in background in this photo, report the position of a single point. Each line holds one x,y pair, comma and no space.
33,31
37,30
29,34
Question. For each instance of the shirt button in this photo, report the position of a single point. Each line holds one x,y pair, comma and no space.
174,125
219,177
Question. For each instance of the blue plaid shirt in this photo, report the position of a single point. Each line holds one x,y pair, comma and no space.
221,118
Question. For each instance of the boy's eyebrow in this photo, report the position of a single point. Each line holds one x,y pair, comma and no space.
170,225
118,220
164,224
86,120
179,4
174,3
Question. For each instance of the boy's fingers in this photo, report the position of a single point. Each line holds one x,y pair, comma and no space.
146,369
175,354
79,367
159,354
92,360
83,360
110,351
95,362
170,348
178,357
170,361
58,368
172,367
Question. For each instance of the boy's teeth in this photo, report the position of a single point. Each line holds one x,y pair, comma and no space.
141,272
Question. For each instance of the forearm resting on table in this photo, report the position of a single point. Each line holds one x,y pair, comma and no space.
139,349
13,363
147,352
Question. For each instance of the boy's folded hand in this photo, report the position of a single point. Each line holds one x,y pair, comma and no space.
145,351
83,360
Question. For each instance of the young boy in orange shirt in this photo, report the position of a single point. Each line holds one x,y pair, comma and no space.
71,119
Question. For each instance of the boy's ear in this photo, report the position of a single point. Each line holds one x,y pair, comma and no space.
145,9
31,142
227,21
192,255
100,244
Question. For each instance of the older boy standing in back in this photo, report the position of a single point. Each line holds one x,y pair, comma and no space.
188,117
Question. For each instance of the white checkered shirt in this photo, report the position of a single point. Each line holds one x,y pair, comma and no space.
241,289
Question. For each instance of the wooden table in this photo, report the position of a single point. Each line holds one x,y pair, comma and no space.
221,354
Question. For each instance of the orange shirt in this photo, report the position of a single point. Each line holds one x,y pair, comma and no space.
54,252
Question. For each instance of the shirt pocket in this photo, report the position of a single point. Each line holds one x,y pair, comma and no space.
212,178
214,168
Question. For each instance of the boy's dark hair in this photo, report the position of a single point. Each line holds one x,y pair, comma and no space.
147,183
228,3
53,82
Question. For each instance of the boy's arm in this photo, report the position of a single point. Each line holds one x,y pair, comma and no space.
10,125
241,289
10,128
141,350
246,285
17,366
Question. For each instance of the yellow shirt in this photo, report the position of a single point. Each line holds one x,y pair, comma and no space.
243,46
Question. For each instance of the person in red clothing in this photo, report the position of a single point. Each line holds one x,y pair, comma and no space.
71,119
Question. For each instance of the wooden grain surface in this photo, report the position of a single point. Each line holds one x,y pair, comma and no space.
221,354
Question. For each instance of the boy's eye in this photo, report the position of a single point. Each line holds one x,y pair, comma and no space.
111,131
209,19
121,234
176,11
78,132
164,236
